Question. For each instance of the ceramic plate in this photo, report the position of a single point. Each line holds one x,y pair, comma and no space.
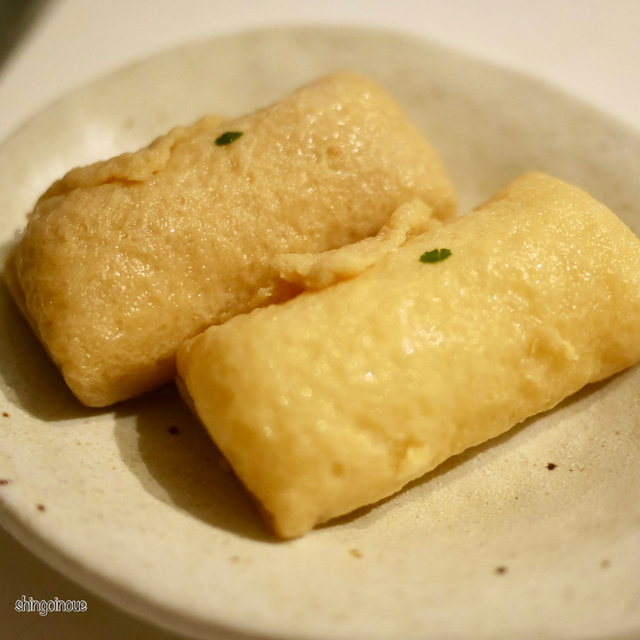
135,503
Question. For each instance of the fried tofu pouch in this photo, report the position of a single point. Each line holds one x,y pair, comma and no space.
341,396
125,259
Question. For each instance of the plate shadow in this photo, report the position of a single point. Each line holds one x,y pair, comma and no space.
32,381
165,446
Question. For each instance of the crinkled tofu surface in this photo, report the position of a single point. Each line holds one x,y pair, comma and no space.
124,260
339,397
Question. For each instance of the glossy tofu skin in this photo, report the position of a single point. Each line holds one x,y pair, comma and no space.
125,259
341,396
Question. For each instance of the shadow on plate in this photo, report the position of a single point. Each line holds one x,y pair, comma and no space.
32,380
175,460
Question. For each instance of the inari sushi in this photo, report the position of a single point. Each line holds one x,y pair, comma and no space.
338,398
125,259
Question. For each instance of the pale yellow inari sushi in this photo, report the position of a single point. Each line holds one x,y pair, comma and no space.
125,259
339,397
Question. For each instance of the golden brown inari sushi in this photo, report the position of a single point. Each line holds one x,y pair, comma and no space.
339,397
125,259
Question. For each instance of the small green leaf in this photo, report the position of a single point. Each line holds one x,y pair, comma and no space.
437,255
228,137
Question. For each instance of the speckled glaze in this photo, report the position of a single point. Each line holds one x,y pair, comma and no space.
534,535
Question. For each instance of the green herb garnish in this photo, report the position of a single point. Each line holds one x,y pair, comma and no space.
228,137
437,255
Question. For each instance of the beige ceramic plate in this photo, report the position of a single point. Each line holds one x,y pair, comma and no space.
134,502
